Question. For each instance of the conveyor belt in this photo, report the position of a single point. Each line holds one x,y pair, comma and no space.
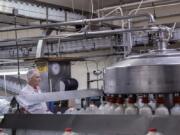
100,124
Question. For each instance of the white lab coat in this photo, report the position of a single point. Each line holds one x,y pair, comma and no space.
39,108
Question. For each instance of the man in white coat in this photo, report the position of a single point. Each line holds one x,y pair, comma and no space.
32,87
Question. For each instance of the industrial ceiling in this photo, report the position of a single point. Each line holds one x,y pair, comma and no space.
87,4
34,12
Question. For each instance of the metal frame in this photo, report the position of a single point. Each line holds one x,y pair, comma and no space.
98,124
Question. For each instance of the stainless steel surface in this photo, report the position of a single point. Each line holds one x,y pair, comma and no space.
85,21
56,96
155,72
96,124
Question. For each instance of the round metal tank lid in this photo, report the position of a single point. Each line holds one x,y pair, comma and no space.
154,72
154,57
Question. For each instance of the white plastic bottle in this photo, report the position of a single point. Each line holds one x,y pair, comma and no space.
119,110
131,109
92,109
71,110
101,109
161,110
108,103
108,107
112,106
145,110
152,131
176,109
68,131
152,102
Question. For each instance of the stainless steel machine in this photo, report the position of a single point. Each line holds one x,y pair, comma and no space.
155,72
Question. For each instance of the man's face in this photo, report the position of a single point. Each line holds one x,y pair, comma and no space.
35,80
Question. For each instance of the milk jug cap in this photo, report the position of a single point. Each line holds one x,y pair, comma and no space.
68,129
152,130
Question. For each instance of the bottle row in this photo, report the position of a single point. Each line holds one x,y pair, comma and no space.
151,131
129,106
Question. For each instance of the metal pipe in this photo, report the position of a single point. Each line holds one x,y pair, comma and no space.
105,32
5,86
121,11
88,80
85,21
92,34
130,37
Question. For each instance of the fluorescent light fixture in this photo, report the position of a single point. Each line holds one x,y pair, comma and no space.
13,71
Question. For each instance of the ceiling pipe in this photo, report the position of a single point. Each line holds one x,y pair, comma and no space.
106,32
39,51
121,11
83,22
